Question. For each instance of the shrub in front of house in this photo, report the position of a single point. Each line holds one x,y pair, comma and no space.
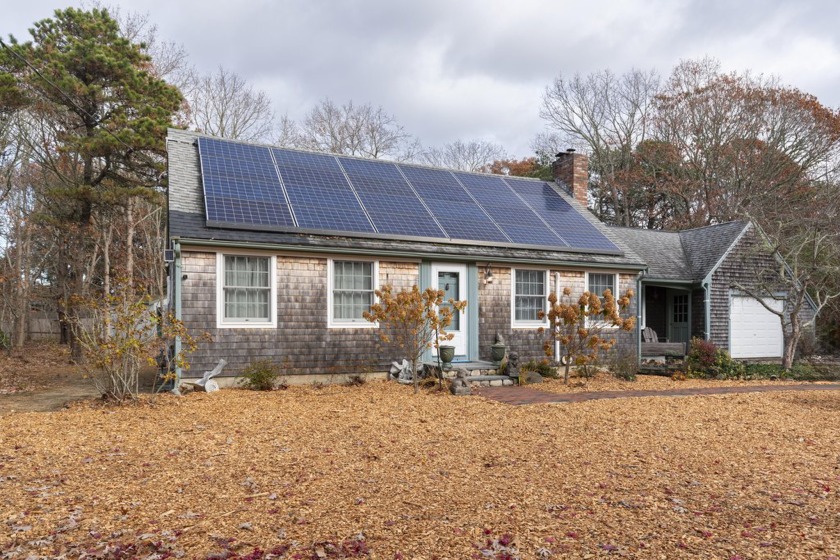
543,367
623,364
262,375
799,372
706,361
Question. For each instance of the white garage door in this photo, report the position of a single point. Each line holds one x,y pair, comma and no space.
755,332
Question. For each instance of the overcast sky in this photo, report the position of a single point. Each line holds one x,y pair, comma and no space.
453,69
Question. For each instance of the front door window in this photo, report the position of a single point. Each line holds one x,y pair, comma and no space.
449,282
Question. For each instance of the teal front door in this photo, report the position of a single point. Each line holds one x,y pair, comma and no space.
452,279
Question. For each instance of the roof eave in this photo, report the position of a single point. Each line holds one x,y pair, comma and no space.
401,253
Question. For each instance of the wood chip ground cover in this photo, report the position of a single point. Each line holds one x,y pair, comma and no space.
603,381
375,471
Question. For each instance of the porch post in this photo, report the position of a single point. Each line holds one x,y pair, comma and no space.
640,313
472,311
425,281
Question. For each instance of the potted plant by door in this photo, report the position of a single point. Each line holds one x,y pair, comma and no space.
497,350
447,354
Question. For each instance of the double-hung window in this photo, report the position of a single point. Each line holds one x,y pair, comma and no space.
246,290
530,297
351,292
599,282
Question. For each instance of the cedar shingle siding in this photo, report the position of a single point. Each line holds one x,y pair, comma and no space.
494,314
746,259
301,343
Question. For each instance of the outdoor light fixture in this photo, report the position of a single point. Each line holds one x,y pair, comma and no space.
488,274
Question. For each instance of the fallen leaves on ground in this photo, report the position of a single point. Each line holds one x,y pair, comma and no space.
35,366
376,471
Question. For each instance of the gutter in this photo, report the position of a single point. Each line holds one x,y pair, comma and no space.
667,282
402,254
707,307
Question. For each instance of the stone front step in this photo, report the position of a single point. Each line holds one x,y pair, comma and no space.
480,374
473,369
490,380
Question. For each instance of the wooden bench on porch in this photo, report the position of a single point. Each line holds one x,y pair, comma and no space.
652,348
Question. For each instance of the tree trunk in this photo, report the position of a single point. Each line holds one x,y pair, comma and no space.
23,267
791,341
129,242
107,233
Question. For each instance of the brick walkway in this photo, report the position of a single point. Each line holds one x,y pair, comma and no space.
528,395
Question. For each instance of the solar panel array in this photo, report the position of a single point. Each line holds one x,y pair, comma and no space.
248,186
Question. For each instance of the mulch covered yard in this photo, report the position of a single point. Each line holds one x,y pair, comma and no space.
376,471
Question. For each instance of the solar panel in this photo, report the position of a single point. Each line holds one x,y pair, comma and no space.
392,204
241,185
287,190
576,230
320,195
451,204
517,220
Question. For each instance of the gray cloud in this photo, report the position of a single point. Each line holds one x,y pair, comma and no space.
467,69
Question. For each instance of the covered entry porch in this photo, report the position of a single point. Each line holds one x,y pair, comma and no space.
671,314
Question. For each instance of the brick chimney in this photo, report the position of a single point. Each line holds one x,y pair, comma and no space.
571,171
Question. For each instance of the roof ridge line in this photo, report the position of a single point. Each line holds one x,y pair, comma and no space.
322,153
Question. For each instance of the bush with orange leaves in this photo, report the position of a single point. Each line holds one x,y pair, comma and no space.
414,321
580,325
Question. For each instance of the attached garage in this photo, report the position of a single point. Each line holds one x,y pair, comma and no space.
755,331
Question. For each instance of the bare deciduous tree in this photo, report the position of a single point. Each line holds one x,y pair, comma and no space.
349,129
608,115
224,104
807,270
472,155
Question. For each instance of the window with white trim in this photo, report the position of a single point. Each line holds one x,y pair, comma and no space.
599,282
351,292
246,291
530,296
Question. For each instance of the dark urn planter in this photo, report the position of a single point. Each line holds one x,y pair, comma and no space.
447,354
497,353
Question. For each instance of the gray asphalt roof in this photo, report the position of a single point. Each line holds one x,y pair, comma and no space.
661,250
187,221
688,255
705,246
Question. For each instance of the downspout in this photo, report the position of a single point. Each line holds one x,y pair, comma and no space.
557,295
178,315
707,308
639,303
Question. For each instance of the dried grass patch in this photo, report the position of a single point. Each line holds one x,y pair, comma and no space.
377,471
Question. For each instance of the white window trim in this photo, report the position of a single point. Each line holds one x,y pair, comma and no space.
221,323
514,324
358,324
616,290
